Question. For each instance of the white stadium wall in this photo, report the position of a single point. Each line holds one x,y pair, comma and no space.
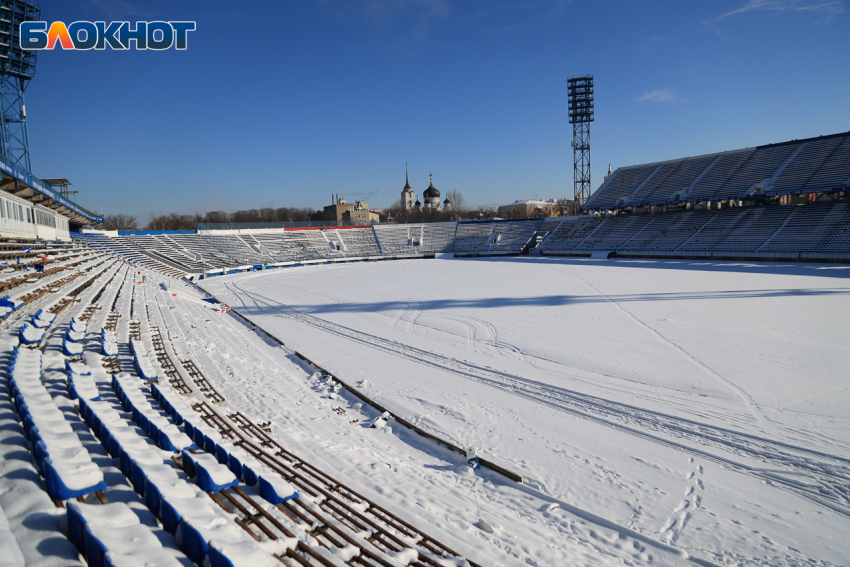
21,219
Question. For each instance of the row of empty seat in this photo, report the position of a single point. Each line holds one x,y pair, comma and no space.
799,166
820,227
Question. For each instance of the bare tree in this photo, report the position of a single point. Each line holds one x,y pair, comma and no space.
173,221
485,211
457,201
216,216
120,222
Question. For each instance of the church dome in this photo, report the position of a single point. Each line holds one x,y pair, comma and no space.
446,201
418,204
432,192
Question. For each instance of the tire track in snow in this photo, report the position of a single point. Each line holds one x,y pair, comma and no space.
748,400
828,482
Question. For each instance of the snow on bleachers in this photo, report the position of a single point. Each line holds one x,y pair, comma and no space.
671,178
718,174
178,503
12,556
473,237
438,237
570,233
809,165
357,242
515,236
125,249
754,229
809,228
397,239
612,234
715,229
198,246
113,535
416,238
685,224
622,183
820,164
656,226
835,171
761,165
66,465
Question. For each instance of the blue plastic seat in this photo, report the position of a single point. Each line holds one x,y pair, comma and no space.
100,540
211,477
222,455
79,515
235,465
58,490
250,475
276,490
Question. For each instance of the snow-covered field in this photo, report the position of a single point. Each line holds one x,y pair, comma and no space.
659,411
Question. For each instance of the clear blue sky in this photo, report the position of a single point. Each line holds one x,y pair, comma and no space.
282,103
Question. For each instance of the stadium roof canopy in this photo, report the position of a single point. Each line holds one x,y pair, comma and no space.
31,188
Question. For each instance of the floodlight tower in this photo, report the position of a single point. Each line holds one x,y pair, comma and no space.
580,96
17,68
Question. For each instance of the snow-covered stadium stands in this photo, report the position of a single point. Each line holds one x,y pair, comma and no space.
800,166
141,474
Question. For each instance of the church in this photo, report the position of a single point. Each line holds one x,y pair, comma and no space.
431,196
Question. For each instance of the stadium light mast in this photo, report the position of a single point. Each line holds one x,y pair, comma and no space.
17,68
580,97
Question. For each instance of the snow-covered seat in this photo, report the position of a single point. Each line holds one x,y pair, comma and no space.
175,506
31,334
75,336
109,349
275,489
170,438
78,326
13,304
237,459
43,319
117,515
157,427
244,553
64,462
82,386
191,460
71,348
142,558
143,471
197,530
101,540
213,477
69,480
11,551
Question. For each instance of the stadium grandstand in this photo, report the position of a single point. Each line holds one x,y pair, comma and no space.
785,201
782,201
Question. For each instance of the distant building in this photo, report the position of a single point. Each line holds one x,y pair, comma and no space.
532,208
407,195
431,197
358,211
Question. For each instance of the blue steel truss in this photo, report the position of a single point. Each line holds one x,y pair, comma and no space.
17,68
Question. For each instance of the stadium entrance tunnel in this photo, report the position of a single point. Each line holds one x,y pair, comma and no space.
603,254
